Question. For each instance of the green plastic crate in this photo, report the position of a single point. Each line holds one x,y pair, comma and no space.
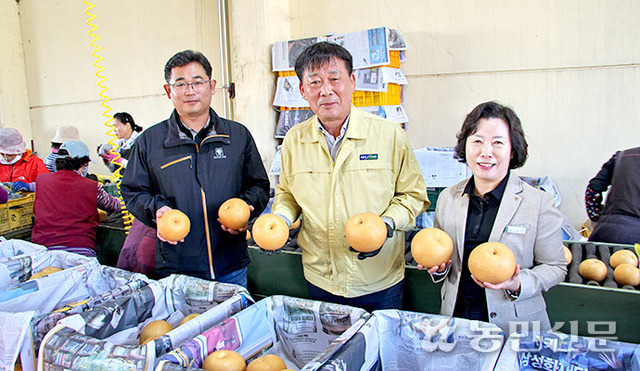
433,193
112,189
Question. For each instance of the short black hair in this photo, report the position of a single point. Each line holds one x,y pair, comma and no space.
495,110
126,118
316,55
70,163
185,57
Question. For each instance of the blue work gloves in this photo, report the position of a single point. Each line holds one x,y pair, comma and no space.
22,186
364,255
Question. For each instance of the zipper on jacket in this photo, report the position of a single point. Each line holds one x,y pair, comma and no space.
206,216
204,202
198,145
207,233
176,161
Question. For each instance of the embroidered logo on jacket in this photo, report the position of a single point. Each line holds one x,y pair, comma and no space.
371,156
219,153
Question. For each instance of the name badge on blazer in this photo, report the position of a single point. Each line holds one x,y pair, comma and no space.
516,230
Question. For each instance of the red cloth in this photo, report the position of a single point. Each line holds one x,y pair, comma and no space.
66,210
138,252
26,169
4,195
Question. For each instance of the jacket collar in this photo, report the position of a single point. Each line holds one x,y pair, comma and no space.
355,130
514,185
172,136
509,204
128,143
26,156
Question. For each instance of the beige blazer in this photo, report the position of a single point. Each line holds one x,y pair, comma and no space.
530,225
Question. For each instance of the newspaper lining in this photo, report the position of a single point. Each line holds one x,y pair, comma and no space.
299,331
106,337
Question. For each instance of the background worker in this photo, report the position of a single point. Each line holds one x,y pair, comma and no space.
126,131
619,221
18,164
339,163
138,250
64,133
66,203
193,162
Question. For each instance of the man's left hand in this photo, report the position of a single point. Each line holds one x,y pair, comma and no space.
364,255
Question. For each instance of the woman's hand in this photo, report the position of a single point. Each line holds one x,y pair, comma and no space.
436,269
512,284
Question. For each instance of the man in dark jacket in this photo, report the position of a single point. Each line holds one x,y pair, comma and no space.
193,162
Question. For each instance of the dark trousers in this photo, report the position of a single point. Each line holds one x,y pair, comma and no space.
471,310
390,298
622,229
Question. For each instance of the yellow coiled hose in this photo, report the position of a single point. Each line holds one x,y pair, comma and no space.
117,175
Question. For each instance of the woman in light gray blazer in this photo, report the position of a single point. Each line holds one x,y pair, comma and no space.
495,205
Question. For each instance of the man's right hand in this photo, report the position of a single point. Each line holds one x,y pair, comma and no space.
159,213
280,222
269,252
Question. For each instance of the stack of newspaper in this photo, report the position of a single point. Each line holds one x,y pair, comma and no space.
378,75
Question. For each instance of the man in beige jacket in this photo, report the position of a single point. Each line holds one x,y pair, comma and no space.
339,163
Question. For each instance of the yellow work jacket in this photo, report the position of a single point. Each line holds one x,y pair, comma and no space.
375,170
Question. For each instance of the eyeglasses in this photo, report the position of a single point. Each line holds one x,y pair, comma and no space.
182,87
